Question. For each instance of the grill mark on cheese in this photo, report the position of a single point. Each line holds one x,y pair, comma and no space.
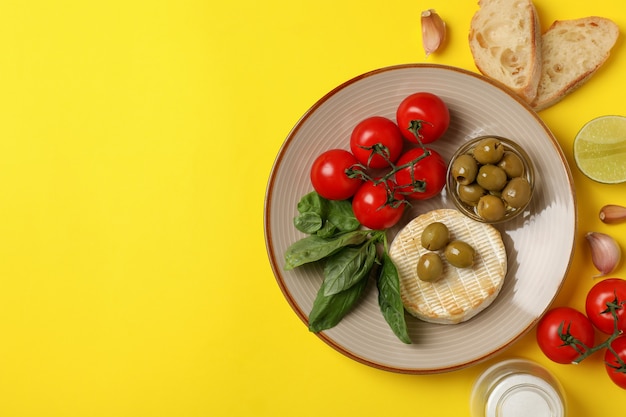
462,292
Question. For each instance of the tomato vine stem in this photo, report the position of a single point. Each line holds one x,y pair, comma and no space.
416,185
586,351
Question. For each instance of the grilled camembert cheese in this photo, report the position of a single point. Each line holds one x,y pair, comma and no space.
460,293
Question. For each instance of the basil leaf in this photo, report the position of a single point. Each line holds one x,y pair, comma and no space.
341,215
389,299
328,310
328,230
313,248
347,267
312,209
308,222
313,202
324,217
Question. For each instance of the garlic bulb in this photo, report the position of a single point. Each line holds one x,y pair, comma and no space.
612,213
433,31
605,252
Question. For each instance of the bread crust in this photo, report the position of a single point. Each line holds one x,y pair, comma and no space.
505,41
563,72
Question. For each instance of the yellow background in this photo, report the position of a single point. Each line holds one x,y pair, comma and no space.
136,140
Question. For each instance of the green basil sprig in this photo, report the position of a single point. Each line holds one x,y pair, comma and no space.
349,266
351,256
328,310
324,217
314,248
389,299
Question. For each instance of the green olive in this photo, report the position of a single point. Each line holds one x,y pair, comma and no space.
512,165
488,151
464,169
517,192
471,193
491,208
429,267
459,254
491,177
435,236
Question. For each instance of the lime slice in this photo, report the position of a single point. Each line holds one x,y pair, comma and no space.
600,149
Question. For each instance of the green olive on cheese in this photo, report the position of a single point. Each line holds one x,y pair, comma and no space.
435,236
429,267
459,254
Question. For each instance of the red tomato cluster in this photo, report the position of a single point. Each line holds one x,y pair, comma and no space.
566,335
555,325
413,171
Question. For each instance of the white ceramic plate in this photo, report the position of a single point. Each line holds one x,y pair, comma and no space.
539,243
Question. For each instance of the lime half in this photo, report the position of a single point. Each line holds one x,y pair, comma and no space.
600,149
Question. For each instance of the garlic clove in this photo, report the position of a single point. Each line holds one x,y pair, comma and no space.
612,213
605,252
433,31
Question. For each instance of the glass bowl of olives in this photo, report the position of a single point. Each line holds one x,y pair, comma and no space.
490,179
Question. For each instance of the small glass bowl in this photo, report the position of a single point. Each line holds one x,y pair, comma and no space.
470,210
517,387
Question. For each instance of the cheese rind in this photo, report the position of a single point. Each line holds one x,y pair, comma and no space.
461,293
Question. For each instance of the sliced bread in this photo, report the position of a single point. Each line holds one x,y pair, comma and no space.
505,41
572,51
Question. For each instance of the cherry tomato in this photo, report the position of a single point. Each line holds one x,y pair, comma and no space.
374,208
431,169
429,110
612,290
376,131
615,369
329,178
573,322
